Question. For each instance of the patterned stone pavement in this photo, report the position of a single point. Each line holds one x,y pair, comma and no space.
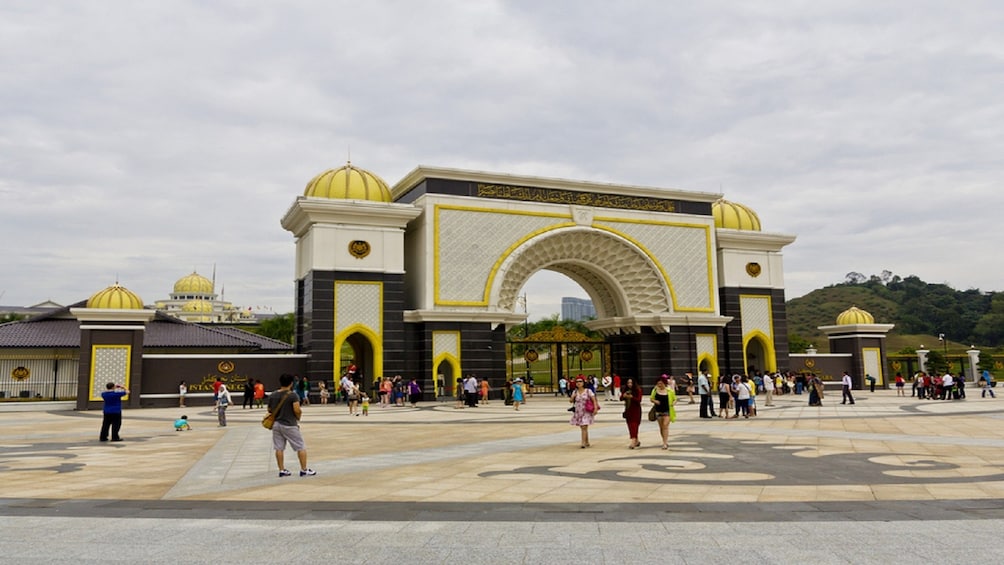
841,483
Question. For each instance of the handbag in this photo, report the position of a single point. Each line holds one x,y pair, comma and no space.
590,406
652,415
269,420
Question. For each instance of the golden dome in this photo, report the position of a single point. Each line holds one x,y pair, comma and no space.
350,183
853,316
734,216
193,284
115,297
197,306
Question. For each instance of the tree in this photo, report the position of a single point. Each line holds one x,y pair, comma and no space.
281,327
986,362
855,277
10,318
937,363
797,343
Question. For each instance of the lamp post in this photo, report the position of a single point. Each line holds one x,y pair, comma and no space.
944,344
526,334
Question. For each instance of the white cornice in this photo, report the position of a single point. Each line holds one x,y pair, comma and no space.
857,330
305,212
422,172
507,318
752,240
660,323
112,315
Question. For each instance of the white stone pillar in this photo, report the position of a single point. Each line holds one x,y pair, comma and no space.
922,358
974,361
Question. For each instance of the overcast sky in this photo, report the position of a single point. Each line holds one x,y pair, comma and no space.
140,141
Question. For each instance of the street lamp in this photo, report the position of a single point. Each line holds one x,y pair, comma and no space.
526,319
944,344
526,334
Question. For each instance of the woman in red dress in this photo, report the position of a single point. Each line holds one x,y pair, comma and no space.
631,394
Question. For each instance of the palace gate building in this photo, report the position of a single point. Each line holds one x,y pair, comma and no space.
422,279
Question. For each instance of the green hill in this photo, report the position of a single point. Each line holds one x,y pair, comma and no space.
921,312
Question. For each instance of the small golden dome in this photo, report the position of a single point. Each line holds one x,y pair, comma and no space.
349,183
115,297
853,316
197,306
734,216
193,284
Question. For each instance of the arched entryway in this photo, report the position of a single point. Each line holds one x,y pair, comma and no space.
758,354
632,295
363,356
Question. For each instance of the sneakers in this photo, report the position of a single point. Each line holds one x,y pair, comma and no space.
284,473
307,472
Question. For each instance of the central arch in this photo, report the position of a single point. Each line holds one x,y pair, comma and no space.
619,277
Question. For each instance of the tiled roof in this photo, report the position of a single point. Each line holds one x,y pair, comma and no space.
49,331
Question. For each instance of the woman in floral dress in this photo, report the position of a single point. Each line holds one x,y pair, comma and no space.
580,416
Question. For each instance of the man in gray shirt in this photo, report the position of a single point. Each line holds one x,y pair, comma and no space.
285,405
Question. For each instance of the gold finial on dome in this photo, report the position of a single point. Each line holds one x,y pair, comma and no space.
853,316
115,297
734,216
349,183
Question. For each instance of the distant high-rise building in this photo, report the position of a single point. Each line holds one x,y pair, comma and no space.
577,309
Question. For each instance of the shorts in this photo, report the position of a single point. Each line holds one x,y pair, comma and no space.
282,433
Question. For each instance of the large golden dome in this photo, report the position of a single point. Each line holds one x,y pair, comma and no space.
193,284
197,306
734,216
350,183
115,297
853,316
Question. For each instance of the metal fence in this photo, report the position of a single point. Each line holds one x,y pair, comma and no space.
38,378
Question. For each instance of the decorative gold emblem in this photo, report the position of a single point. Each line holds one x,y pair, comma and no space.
586,356
753,269
531,355
20,373
225,367
810,363
359,248
897,366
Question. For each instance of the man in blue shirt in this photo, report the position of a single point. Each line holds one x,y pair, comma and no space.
112,411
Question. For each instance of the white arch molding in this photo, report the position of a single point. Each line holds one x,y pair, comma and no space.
619,278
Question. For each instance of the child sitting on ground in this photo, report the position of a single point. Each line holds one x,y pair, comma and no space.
182,424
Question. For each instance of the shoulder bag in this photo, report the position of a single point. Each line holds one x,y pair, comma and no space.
269,418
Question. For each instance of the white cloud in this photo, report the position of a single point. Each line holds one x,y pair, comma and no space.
142,140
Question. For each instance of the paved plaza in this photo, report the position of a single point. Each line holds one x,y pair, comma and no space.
886,480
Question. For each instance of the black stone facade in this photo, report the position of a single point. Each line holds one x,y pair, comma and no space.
315,332
855,345
124,336
482,352
730,359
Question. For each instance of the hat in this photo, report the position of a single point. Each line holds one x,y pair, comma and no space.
518,380
663,379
